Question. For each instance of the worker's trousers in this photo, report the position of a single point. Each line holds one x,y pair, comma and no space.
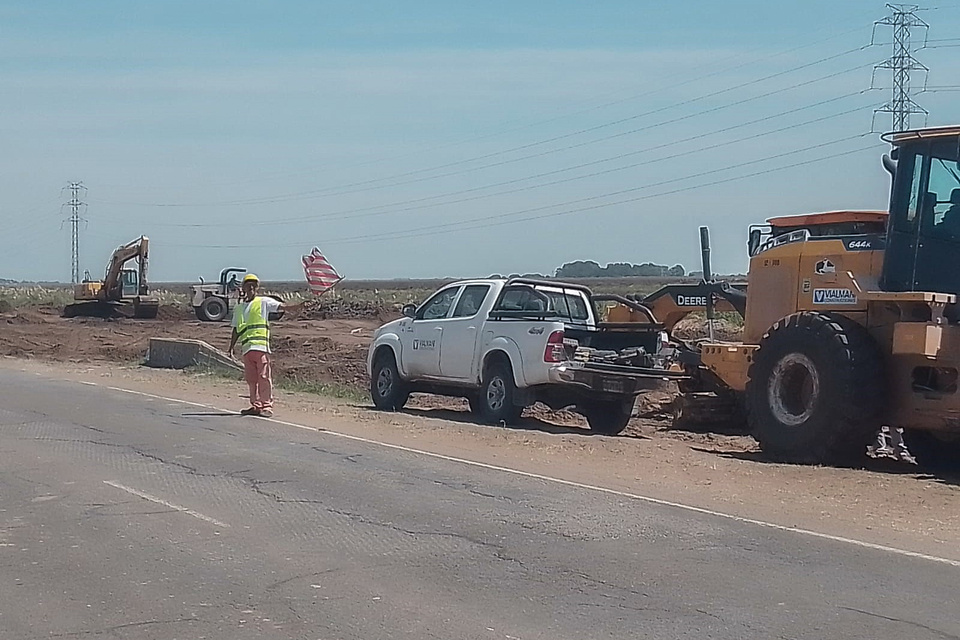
256,370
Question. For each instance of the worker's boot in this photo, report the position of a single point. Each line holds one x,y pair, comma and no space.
250,411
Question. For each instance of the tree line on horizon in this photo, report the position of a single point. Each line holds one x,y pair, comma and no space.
591,269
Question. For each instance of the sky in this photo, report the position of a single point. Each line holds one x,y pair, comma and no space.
436,138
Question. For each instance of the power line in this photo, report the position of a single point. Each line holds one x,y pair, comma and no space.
902,63
339,190
582,111
512,217
421,203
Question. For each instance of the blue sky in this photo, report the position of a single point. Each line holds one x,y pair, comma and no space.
425,139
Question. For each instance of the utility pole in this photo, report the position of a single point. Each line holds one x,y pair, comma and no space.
76,206
902,19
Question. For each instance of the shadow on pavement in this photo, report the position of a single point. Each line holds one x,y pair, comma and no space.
205,414
878,465
524,424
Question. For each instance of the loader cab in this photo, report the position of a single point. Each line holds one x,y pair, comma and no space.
923,240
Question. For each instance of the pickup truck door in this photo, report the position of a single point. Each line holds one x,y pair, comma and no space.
459,341
421,352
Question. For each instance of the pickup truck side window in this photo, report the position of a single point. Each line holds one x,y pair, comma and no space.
471,300
439,305
568,305
520,298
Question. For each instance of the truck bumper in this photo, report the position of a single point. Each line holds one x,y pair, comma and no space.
612,379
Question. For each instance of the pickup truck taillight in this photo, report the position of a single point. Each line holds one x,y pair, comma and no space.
555,351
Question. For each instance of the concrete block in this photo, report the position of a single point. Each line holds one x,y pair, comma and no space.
171,353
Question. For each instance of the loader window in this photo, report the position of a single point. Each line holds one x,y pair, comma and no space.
943,198
924,238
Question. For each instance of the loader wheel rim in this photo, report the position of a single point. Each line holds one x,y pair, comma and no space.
385,382
794,389
496,393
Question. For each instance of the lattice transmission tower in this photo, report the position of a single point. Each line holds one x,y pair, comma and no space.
902,18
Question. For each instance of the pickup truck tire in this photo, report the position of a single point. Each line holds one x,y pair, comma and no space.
607,417
815,390
497,391
387,389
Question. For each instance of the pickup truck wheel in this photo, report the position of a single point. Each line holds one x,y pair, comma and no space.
387,389
607,417
496,395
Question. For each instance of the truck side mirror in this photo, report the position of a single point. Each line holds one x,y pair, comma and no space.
409,311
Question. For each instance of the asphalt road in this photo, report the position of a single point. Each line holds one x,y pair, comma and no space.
128,517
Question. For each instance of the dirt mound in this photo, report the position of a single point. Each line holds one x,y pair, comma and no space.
340,308
24,317
173,313
695,328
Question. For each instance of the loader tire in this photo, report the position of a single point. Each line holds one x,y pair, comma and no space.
213,309
815,390
931,452
607,417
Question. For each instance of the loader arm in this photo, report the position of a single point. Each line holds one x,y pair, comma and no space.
672,303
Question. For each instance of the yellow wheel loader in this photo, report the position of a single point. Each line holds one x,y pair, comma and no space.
119,288
851,320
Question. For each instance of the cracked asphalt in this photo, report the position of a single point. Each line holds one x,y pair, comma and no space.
128,517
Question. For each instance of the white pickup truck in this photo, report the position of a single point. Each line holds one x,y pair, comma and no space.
506,344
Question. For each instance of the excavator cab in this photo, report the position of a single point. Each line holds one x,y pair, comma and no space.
129,283
923,241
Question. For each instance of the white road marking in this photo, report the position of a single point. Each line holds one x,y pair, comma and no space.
580,485
176,507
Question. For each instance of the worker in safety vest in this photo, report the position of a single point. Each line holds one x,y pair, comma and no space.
251,329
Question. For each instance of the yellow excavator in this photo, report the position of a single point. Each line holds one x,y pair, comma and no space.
120,288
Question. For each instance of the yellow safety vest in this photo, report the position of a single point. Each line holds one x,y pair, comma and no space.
253,330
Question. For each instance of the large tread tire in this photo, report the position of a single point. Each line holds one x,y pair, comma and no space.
816,390
497,392
607,417
387,389
213,309
932,453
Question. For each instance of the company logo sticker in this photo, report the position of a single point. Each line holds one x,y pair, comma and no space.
691,301
824,267
834,296
424,345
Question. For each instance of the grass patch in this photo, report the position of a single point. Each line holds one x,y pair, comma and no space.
326,389
293,384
